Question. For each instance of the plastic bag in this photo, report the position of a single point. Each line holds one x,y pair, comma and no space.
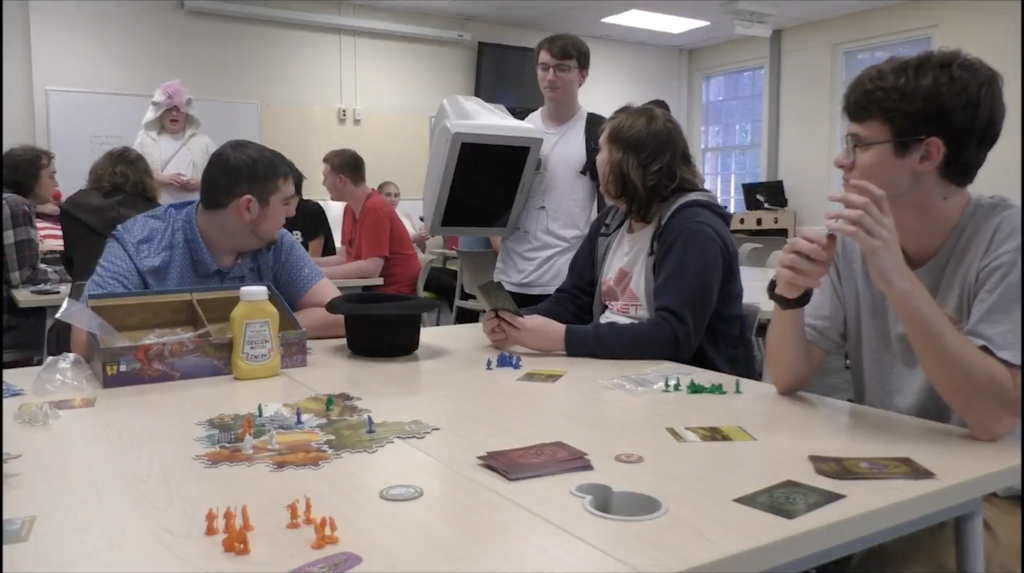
80,315
65,373
653,379
169,335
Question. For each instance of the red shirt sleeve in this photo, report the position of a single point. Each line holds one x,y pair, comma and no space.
374,233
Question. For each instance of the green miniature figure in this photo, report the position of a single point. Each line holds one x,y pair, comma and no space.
678,386
259,410
329,404
737,390
668,385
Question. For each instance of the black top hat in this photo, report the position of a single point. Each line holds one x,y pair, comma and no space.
381,324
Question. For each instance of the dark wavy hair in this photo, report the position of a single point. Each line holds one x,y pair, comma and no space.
23,165
946,94
648,160
122,171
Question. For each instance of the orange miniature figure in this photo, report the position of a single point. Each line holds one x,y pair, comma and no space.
229,542
229,520
241,542
331,538
246,427
293,515
309,511
246,526
211,522
319,542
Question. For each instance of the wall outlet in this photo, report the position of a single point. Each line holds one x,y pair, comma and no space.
342,114
357,113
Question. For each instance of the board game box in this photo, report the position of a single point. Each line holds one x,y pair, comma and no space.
178,334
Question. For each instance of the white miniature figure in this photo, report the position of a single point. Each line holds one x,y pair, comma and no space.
52,414
272,439
36,417
690,436
247,444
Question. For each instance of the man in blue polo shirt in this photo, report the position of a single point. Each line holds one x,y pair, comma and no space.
233,235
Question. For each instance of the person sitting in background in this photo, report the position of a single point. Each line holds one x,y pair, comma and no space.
171,142
309,224
120,186
657,277
416,229
51,235
375,240
233,236
659,104
30,178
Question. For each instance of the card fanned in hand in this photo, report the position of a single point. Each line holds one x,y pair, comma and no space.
535,461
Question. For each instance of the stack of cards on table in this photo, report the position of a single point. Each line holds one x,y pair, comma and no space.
869,468
535,461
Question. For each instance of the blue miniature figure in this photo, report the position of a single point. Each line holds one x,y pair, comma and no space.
370,429
298,416
517,363
489,363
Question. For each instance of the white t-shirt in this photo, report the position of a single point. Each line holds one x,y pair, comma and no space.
623,277
535,258
180,163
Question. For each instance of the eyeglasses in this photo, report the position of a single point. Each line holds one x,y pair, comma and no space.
850,145
560,69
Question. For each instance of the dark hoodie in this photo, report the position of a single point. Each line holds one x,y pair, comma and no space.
88,218
694,292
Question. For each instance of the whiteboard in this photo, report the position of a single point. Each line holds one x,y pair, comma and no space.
83,125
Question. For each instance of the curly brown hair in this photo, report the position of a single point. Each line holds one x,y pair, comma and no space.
122,170
648,160
23,165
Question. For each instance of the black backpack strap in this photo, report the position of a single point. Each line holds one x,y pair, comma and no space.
591,135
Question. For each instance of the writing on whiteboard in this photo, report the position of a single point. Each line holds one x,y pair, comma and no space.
102,143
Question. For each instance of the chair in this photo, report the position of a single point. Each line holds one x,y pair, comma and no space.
475,268
752,313
745,250
773,260
425,264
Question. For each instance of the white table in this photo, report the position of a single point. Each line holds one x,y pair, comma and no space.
23,298
446,255
115,489
356,285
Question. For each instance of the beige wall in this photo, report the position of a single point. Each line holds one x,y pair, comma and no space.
298,74
19,122
809,88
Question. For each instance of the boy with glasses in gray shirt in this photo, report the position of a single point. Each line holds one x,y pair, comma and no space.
917,279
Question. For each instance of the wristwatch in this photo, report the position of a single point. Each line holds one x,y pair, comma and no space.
788,303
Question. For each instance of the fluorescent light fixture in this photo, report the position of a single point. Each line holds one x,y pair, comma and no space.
654,21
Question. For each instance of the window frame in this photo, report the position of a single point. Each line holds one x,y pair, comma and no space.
696,143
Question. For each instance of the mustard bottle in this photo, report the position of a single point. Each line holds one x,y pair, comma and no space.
254,327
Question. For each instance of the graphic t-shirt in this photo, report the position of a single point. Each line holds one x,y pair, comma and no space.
309,224
378,232
180,162
623,277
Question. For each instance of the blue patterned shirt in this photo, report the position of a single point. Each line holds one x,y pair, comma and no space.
162,249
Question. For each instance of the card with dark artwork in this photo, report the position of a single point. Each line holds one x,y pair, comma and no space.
789,499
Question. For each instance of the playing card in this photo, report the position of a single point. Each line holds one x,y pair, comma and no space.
540,459
577,465
789,499
869,468
331,564
18,529
546,376
68,404
711,434
495,297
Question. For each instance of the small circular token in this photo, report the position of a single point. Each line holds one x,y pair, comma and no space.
629,458
401,492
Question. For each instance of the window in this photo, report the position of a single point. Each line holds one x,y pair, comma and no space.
730,133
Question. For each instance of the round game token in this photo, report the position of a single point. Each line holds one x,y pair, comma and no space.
401,492
629,458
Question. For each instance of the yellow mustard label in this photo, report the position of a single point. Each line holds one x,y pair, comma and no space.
257,342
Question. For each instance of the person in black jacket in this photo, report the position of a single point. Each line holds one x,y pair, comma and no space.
120,186
657,277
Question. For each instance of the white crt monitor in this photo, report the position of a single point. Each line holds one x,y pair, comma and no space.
482,163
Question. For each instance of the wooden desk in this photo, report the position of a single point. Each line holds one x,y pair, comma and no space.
115,489
356,285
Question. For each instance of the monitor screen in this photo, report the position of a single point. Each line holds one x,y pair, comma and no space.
484,185
764,195
507,75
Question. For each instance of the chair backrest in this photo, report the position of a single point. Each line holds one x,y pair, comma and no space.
475,268
335,211
435,244
745,250
773,260
752,313
425,263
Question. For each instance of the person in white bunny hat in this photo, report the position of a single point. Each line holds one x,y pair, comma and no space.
171,142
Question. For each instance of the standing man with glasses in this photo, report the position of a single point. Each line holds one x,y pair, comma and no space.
919,279
534,259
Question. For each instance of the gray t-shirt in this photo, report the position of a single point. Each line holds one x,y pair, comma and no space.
975,278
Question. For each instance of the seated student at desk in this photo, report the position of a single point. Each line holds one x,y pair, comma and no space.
30,178
920,282
234,235
375,240
657,276
309,224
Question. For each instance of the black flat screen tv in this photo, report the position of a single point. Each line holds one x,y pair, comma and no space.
507,75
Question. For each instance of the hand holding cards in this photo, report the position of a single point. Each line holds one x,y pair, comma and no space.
495,297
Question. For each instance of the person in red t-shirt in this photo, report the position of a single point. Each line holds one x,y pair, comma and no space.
374,238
